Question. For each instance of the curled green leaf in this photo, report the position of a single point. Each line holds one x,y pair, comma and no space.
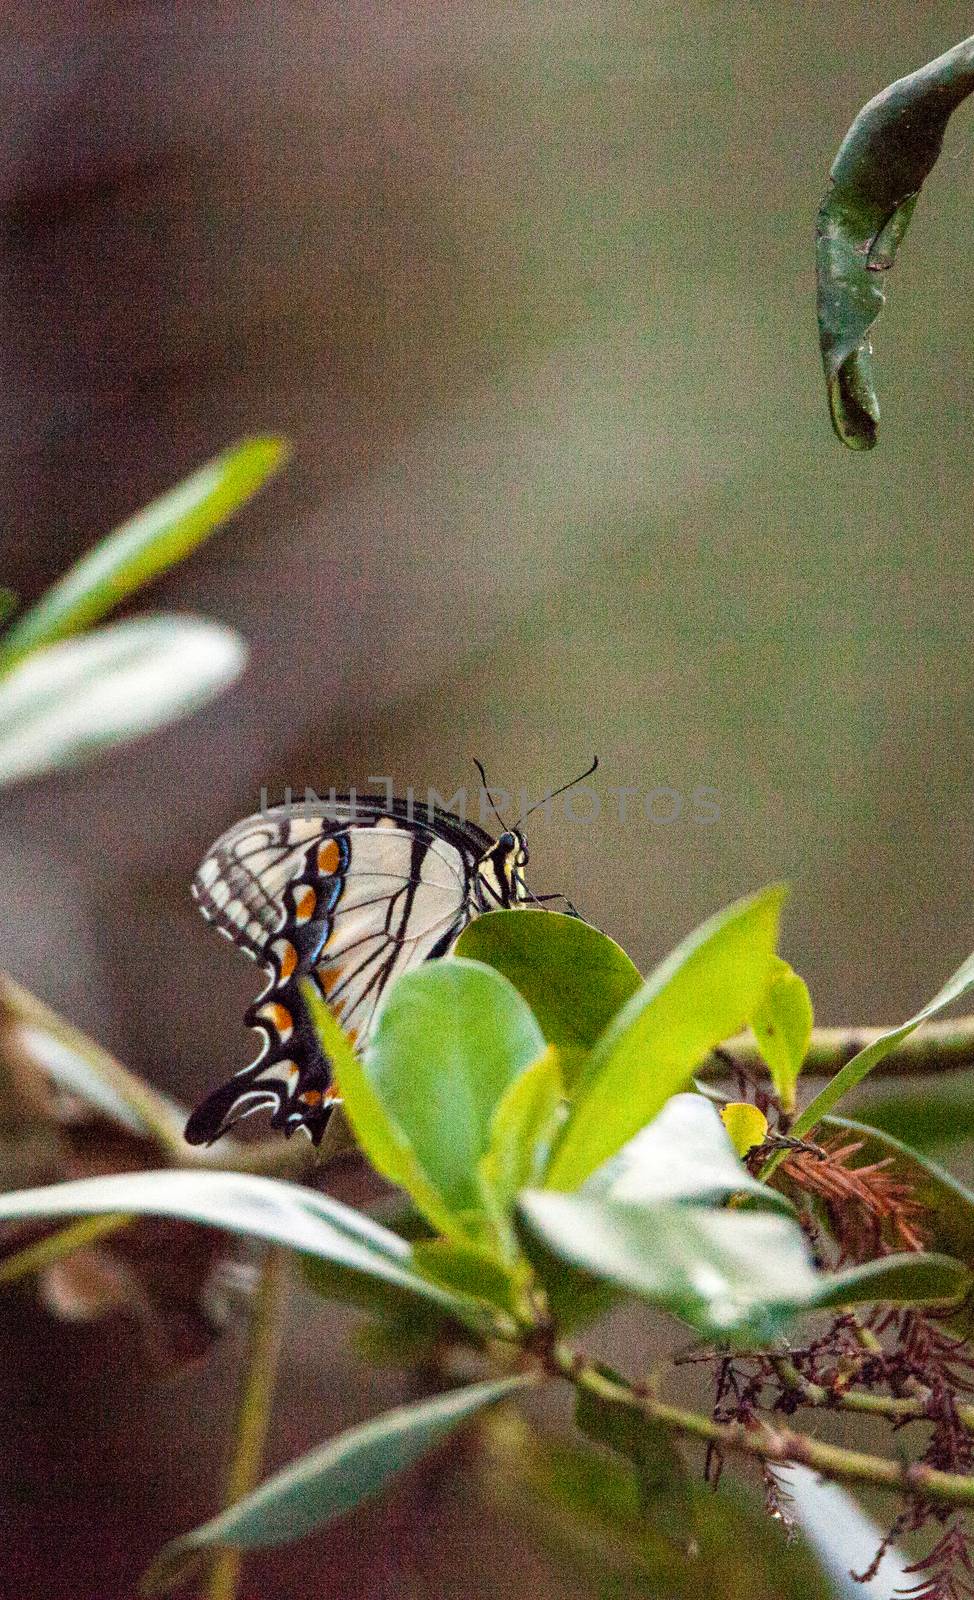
782,1026
874,183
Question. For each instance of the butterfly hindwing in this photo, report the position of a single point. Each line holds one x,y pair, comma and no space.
348,904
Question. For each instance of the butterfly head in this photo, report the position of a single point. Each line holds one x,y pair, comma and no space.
500,872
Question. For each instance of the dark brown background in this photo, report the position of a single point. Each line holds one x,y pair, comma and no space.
530,288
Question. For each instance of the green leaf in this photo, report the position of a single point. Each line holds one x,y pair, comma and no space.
948,1204
64,703
929,1117
746,1124
377,1132
465,1270
573,977
8,604
156,538
522,1129
732,1275
862,1064
908,1279
701,994
260,1208
842,1536
450,1040
684,1154
582,1505
875,180
662,1480
329,1481
782,1026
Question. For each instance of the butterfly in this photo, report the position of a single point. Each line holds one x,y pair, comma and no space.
349,899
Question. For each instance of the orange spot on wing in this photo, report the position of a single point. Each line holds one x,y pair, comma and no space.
311,1097
352,1034
278,1016
329,856
287,957
328,976
304,903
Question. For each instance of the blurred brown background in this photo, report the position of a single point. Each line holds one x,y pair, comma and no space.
530,288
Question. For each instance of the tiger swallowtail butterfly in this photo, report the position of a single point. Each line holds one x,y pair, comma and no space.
349,899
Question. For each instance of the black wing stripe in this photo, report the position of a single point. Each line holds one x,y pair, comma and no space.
290,1076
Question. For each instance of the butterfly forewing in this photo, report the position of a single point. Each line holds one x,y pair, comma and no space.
349,901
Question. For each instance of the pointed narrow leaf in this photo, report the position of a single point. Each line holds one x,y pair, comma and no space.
782,1026
907,1279
701,994
862,1064
261,1208
843,1537
330,1481
154,539
932,1116
450,1040
573,977
66,702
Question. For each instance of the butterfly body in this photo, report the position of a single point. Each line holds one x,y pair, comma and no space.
347,894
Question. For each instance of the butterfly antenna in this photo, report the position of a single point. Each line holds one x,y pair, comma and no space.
493,806
546,799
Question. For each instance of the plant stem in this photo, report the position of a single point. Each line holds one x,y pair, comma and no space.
254,1410
35,1257
934,1048
767,1443
895,1408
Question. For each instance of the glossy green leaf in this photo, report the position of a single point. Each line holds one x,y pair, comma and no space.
875,179
259,1208
684,1154
732,1275
573,977
782,1026
156,538
450,1040
375,1129
330,1481
522,1129
862,1064
64,703
701,994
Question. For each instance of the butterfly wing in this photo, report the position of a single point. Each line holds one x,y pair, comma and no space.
348,904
